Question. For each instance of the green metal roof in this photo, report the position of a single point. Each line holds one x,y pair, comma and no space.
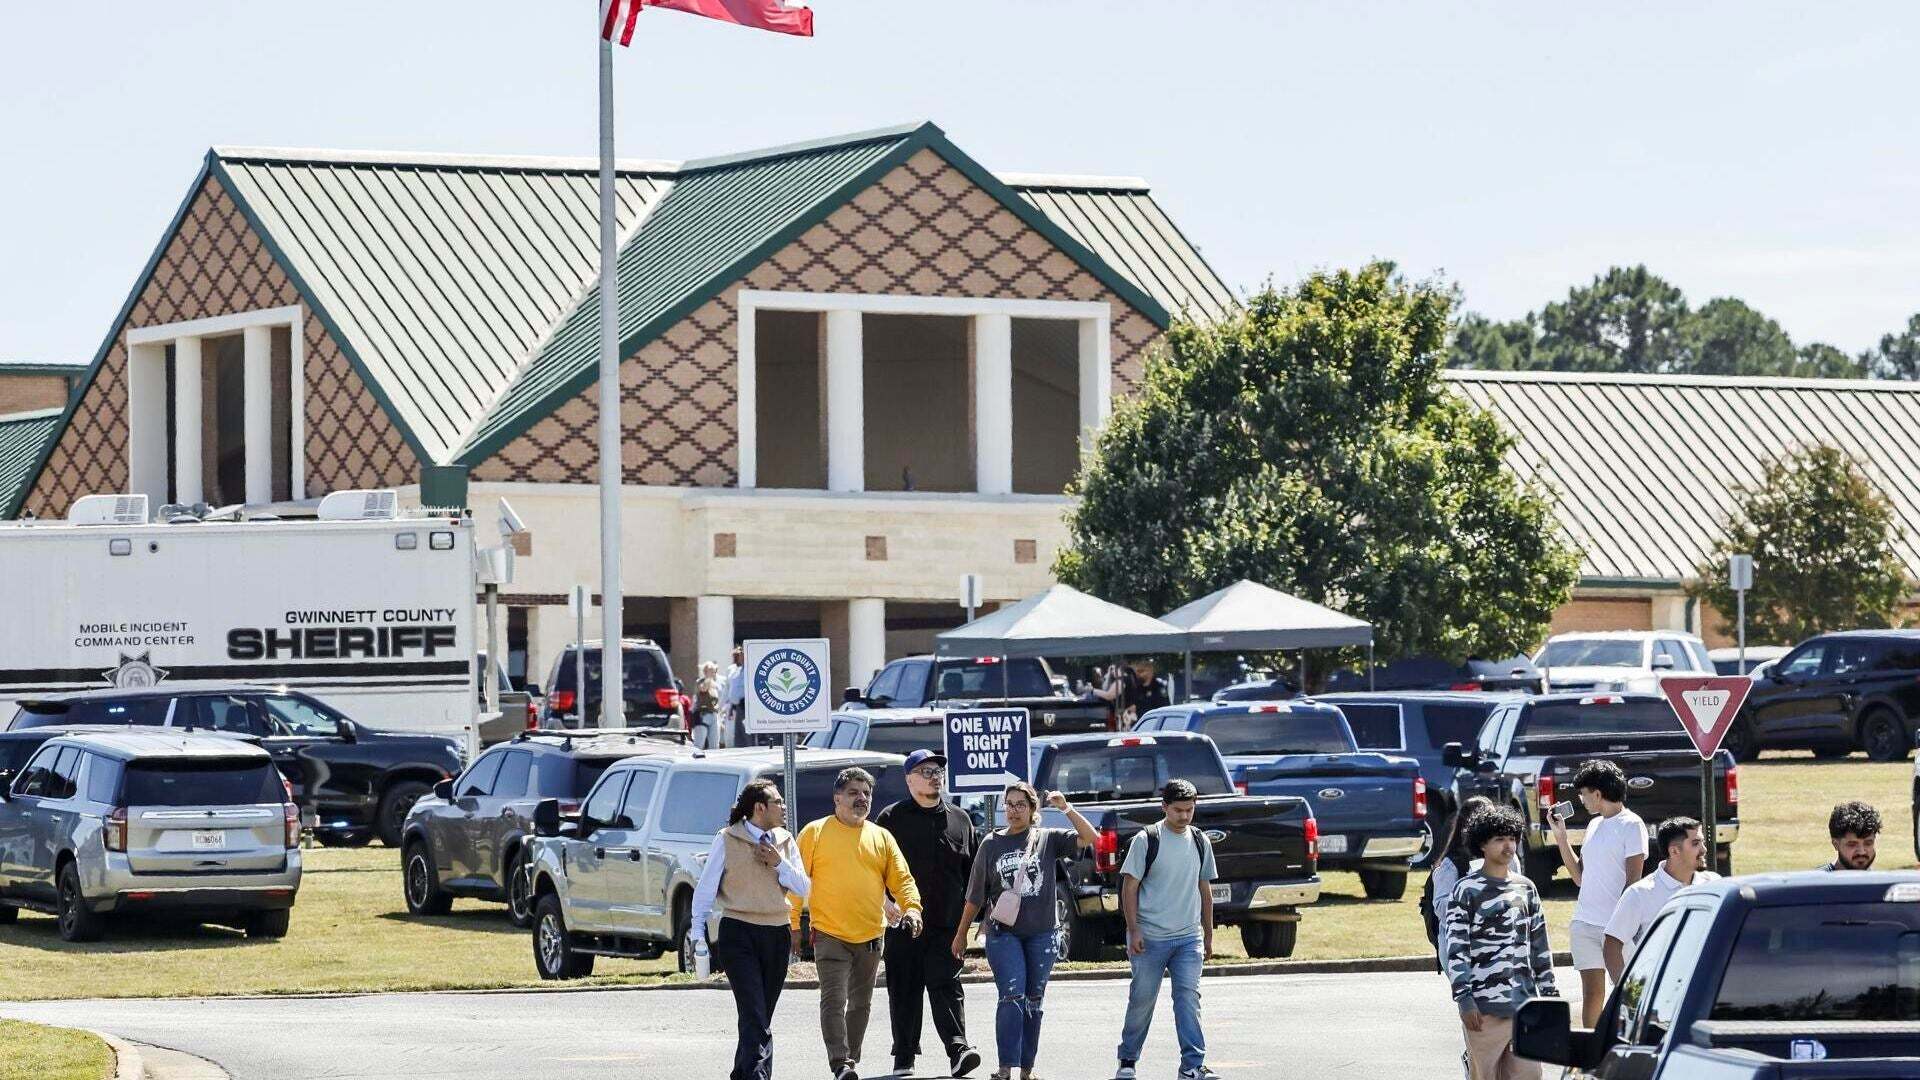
1644,465
438,274
1121,223
23,438
68,368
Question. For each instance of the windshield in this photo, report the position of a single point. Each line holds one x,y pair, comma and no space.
149,711
1825,963
1279,733
905,738
642,671
1623,717
1096,770
1590,652
966,680
202,782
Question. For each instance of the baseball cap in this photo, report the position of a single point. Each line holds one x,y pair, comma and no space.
921,757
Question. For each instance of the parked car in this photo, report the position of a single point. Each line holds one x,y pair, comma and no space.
516,706
987,682
1433,673
1264,846
1856,689
1529,749
104,824
650,697
351,781
1759,659
1371,807
1777,977
1419,724
468,838
619,881
1620,660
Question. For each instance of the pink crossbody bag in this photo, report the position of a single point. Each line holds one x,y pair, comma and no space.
1006,906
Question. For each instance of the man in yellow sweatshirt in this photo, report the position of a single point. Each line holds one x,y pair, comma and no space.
854,865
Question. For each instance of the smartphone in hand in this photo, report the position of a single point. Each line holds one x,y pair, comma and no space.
1562,811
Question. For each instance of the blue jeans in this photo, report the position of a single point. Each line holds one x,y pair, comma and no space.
1021,966
1182,958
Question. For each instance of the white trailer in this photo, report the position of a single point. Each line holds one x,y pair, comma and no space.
370,611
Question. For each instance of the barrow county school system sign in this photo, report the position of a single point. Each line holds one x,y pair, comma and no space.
786,687
986,749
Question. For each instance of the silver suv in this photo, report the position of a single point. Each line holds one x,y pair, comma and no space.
125,822
619,882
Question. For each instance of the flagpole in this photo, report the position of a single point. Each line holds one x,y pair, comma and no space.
612,708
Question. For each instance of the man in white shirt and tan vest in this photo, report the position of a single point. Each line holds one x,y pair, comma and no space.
751,868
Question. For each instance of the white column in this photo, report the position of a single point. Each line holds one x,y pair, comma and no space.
297,410
746,425
1096,379
257,396
187,391
993,404
1670,613
846,403
713,630
147,423
866,639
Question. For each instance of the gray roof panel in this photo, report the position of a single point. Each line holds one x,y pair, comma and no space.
23,438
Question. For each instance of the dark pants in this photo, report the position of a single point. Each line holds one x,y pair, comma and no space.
755,959
925,965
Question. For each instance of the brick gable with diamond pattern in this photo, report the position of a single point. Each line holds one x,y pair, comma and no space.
924,229
215,264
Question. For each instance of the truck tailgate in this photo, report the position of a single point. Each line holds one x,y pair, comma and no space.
1253,839
1347,793
1660,784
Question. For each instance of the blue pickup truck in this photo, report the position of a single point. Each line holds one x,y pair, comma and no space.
1773,977
1371,808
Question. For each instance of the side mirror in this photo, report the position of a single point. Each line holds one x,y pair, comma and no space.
1663,663
1456,756
851,696
546,817
1543,1031
345,728
444,790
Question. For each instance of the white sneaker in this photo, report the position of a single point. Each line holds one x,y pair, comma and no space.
1200,1073
1124,1072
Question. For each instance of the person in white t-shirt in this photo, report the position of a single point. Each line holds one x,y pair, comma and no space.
1685,864
1611,858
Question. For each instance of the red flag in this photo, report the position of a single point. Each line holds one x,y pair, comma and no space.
772,15
617,24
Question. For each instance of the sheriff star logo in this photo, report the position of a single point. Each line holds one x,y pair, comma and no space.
134,671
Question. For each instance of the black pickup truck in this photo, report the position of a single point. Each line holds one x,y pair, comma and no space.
1530,748
1776,977
988,682
1265,847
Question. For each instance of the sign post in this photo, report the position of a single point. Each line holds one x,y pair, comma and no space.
987,749
1740,579
787,696
972,588
1706,706
577,606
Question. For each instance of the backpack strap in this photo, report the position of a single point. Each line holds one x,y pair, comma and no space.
1202,846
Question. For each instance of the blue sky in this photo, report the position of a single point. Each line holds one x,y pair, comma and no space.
1760,150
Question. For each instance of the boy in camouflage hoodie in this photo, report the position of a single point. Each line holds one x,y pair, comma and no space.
1497,954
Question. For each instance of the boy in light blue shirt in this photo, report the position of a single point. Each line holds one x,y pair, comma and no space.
1169,908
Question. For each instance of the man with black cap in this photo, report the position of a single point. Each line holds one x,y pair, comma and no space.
937,839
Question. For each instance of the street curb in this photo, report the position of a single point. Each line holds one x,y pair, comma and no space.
128,1064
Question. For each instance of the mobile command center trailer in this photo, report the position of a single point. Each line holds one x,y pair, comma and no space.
369,611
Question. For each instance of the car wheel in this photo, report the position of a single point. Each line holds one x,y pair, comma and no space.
1428,842
271,925
1883,737
394,805
520,891
1740,740
331,838
421,882
1077,938
76,922
1723,861
553,954
683,933
1540,866
1269,940
1384,884
8,914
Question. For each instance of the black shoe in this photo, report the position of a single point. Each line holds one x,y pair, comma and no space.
964,1062
903,1066
846,1072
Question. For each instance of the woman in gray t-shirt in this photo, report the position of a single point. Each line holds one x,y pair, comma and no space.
1019,861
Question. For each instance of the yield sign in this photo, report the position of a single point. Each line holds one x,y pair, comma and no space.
1706,705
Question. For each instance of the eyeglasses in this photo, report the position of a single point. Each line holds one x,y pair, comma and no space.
930,772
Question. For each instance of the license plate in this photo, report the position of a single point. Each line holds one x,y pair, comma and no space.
1333,845
209,839
1222,894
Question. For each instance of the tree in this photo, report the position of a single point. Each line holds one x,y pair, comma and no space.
1820,360
1628,320
1898,356
1821,536
1479,342
1307,443
1726,337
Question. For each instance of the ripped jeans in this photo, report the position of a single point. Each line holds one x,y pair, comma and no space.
1021,965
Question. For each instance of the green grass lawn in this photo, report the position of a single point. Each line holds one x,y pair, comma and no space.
34,1052
351,931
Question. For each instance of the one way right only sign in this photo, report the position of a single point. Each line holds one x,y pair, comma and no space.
986,749
1706,706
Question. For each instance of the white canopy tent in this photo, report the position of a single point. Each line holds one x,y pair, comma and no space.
1062,621
1247,615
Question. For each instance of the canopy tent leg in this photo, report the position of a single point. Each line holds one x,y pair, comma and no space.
1369,663
1189,689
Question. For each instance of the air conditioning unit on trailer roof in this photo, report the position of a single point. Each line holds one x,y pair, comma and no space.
371,505
108,510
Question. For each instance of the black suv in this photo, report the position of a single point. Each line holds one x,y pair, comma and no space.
464,840
353,781
1833,694
652,698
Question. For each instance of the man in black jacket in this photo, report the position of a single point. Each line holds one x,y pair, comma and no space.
938,841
